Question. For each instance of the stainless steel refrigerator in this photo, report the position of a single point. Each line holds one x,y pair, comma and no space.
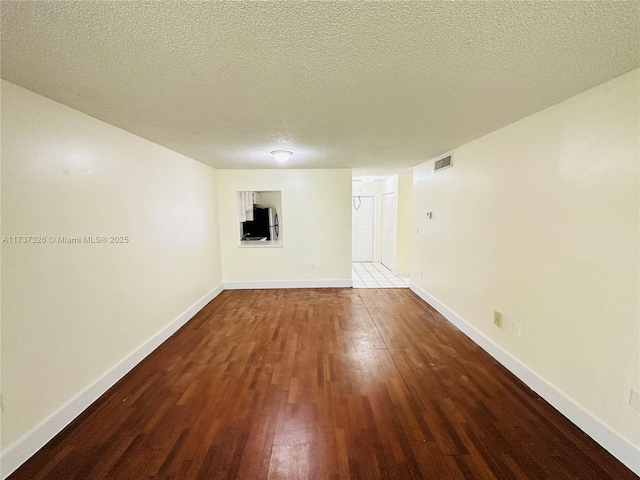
264,225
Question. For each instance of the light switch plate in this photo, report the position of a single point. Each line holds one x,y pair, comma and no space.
517,329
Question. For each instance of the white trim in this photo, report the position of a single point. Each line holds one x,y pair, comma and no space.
620,448
288,284
34,440
37,437
261,244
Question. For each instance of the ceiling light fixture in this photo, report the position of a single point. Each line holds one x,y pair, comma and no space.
281,155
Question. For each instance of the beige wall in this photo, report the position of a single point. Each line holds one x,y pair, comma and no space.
540,220
315,218
70,312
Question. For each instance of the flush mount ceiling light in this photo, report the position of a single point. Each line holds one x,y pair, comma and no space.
281,155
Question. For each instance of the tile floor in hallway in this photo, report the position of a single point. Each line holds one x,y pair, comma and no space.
376,275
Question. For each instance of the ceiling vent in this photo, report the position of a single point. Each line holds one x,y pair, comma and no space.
442,163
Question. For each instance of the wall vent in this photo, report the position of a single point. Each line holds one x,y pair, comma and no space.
442,163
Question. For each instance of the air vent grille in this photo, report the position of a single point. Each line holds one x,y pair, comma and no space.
442,163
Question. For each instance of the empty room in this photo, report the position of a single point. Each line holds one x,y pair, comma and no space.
320,240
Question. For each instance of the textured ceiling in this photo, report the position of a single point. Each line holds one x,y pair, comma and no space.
377,86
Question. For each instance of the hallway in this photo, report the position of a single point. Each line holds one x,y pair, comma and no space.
375,275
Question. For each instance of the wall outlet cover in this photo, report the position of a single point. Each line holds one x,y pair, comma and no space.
497,318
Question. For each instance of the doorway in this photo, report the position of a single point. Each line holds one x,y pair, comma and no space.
388,230
362,234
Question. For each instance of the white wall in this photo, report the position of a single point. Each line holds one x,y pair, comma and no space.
72,312
316,216
272,200
402,186
404,223
390,186
540,220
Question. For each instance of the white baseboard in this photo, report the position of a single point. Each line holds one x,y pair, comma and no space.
288,284
30,443
401,273
620,448
34,440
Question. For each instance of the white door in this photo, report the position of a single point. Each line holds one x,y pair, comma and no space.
362,229
388,229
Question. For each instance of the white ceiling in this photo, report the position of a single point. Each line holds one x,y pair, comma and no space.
375,86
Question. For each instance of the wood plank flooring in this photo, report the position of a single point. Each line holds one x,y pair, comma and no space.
322,384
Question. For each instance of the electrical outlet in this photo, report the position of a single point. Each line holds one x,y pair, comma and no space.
421,273
1,404
313,266
497,318
634,399
516,329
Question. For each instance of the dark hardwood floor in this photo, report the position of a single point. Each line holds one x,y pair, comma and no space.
323,384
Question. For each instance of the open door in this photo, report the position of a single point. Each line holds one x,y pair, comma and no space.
388,230
362,229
